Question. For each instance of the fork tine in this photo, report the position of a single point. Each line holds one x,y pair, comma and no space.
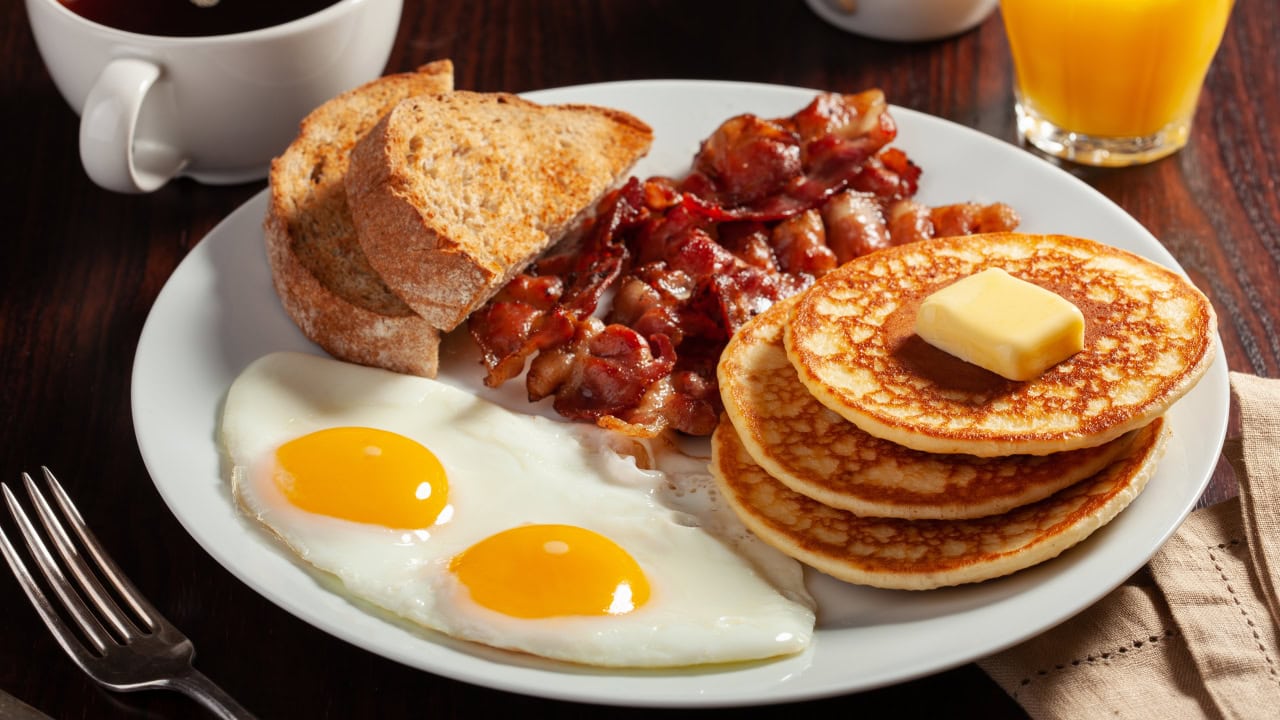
61,632
75,562
49,567
136,600
159,660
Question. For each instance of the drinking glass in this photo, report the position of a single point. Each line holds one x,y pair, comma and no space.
1110,82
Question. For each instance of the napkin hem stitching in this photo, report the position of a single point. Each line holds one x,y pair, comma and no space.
1244,611
1095,658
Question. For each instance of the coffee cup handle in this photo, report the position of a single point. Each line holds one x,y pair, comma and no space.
113,154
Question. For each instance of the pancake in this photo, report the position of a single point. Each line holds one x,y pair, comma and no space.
1149,337
925,554
817,453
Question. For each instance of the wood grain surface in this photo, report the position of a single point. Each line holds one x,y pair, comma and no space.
81,268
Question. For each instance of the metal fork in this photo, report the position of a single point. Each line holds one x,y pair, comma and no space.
138,649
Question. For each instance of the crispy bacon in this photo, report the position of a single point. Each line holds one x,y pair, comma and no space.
522,319
747,160
613,367
855,225
909,221
890,175
800,244
767,170
768,206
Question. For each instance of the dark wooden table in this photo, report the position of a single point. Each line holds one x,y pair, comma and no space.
82,266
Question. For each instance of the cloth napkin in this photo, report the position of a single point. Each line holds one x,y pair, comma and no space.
1195,633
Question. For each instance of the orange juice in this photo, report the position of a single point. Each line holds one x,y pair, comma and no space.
1113,68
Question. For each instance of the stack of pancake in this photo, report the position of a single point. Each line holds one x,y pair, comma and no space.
854,446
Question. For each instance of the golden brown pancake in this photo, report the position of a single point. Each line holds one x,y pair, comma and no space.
1149,337
925,554
817,453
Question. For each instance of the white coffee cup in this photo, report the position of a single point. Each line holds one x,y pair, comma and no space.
215,108
904,20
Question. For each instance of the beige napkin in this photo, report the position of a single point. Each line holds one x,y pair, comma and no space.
1194,634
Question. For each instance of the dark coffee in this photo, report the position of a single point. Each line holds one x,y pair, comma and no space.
189,18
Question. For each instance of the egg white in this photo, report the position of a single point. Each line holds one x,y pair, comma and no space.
717,594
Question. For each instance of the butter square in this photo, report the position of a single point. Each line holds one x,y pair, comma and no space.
1009,326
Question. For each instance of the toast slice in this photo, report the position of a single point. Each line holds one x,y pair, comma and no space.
454,194
319,269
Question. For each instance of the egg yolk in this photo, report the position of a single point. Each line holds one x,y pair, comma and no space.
364,475
539,571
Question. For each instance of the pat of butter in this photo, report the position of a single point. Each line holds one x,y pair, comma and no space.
1008,326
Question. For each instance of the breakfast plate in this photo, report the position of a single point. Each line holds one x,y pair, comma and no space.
218,312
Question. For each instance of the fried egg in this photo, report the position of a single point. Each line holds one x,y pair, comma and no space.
515,531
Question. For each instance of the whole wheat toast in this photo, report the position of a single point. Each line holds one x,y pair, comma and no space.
320,271
453,194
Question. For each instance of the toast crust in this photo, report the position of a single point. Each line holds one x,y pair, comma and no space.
454,194
320,272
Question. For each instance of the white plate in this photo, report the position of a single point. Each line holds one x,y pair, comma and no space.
218,312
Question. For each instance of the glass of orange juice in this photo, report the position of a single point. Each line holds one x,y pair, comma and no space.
1110,82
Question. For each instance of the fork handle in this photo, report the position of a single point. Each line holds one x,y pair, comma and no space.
196,686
